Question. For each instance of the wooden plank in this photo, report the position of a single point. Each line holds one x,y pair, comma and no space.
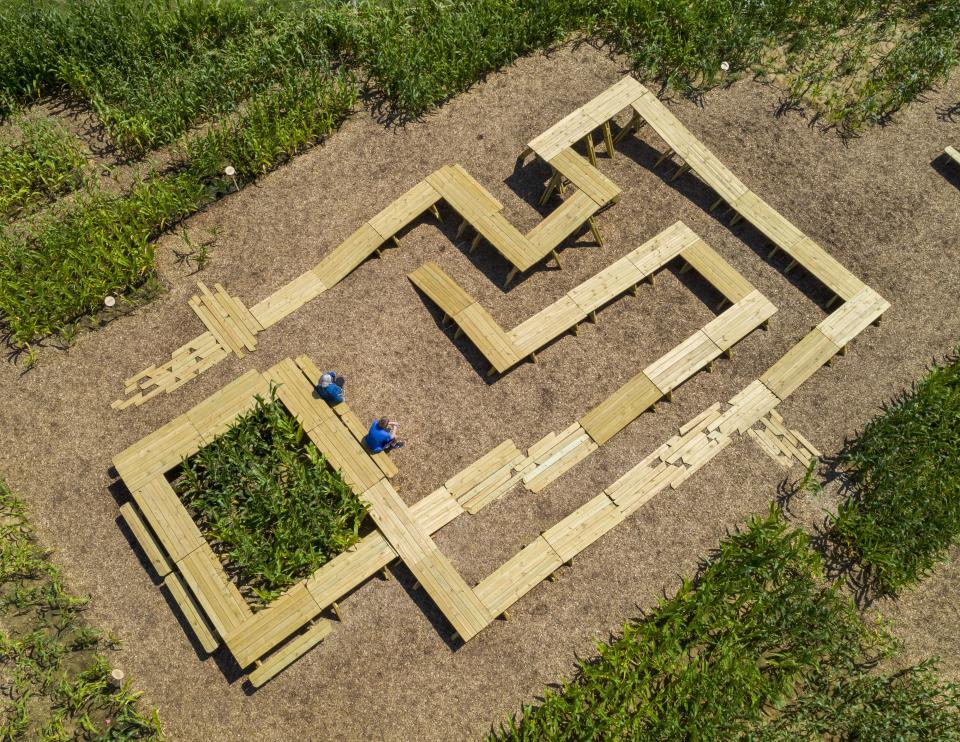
717,271
562,222
613,100
811,449
483,493
234,325
569,130
556,467
560,440
158,452
825,268
217,413
297,394
952,153
149,545
440,288
345,454
238,309
348,255
349,569
765,443
481,469
583,526
606,285
546,325
404,210
288,299
217,596
215,326
585,177
515,578
662,248
747,406
436,510
853,316
488,337
267,628
799,363
702,420
431,568
290,653
683,361
544,444
476,504
507,240
636,498
191,612
738,321
620,409
774,226
463,194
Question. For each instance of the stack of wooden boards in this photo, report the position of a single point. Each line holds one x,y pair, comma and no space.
231,328
786,447
504,349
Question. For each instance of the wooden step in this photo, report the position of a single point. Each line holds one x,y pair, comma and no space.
290,653
161,565
191,612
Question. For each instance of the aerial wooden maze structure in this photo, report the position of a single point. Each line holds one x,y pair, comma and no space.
265,642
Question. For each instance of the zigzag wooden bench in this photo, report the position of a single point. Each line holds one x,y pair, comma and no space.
504,349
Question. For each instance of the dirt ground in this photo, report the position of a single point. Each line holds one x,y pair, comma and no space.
884,205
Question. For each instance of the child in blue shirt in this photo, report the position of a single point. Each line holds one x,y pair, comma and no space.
330,387
382,436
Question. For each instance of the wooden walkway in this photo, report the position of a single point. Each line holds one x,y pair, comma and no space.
503,349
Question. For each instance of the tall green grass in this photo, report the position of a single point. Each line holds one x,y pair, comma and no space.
54,683
101,244
152,69
264,494
44,161
759,646
903,512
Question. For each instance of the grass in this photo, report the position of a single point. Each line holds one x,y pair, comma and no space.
250,83
759,646
45,162
102,244
55,684
903,512
266,498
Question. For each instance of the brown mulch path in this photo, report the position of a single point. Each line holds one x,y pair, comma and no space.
876,203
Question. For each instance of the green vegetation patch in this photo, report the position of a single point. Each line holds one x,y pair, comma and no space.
266,498
102,244
759,647
55,685
904,509
45,162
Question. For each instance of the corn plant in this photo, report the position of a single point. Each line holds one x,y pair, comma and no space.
265,497
54,683
903,512
756,647
46,162
102,244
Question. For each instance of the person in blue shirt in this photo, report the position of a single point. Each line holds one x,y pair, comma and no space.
330,387
382,436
